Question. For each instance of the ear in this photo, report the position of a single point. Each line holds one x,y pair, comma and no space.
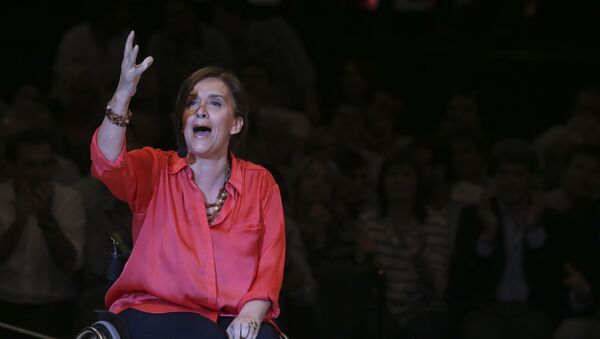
238,123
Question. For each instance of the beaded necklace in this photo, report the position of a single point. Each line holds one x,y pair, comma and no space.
213,209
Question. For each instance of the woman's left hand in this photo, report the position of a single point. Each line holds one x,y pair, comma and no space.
244,327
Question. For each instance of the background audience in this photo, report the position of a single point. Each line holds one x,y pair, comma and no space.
439,161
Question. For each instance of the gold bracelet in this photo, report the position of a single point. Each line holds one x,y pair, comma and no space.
117,119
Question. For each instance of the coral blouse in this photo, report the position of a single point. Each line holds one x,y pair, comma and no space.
180,263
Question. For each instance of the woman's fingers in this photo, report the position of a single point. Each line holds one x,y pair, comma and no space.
127,48
141,68
134,53
147,62
252,333
129,69
130,54
244,330
232,330
241,330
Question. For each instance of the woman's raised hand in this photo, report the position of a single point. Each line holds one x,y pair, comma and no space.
130,71
110,135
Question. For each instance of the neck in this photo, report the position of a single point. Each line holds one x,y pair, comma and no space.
209,175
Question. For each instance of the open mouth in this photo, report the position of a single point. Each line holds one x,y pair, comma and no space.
202,131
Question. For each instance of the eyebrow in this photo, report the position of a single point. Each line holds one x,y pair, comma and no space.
210,96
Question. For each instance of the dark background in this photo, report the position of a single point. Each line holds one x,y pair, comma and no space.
524,67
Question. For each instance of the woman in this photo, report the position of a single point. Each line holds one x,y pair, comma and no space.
331,252
208,228
409,245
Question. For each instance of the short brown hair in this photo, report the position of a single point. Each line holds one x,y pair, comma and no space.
240,100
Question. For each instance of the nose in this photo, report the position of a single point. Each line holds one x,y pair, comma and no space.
201,112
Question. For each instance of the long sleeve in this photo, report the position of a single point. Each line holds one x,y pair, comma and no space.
131,177
269,276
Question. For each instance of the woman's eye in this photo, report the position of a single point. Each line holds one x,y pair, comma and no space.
216,103
192,102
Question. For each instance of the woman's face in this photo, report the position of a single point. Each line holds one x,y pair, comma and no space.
400,183
208,119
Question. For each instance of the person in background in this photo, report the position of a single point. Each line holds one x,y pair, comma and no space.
573,224
409,244
42,232
581,125
500,284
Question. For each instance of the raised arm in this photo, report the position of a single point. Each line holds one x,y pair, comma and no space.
110,135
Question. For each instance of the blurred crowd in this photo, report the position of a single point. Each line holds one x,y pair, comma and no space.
458,229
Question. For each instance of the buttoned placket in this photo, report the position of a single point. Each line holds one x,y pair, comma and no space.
200,219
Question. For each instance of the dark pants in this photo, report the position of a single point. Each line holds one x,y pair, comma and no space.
182,325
